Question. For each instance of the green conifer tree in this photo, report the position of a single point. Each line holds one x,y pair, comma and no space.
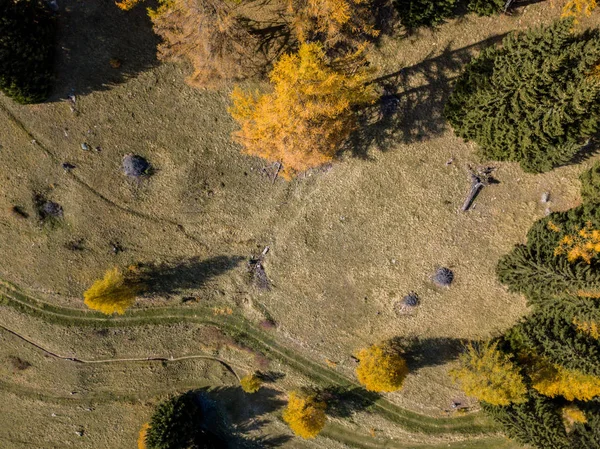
486,7
535,99
537,422
27,35
418,13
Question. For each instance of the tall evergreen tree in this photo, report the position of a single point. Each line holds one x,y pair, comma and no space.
27,35
536,422
535,99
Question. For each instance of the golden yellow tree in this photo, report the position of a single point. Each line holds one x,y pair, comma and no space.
250,383
141,442
578,8
112,294
552,381
303,122
381,368
489,375
305,414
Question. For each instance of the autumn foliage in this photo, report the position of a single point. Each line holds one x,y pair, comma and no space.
578,8
489,375
381,368
555,380
141,442
250,383
305,414
309,114
112,294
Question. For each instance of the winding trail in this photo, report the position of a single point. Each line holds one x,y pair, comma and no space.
225,364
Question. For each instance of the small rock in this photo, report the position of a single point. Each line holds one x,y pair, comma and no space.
547,211
545,197
135,166
67,166
85,147
50,208
449,161
79,432
411,300
443,277
98,149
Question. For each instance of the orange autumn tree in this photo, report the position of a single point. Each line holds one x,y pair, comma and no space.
381,368
142,436
112,294
555,380
309,114
333,21
305,414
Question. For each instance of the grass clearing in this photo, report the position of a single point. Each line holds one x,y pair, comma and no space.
345,243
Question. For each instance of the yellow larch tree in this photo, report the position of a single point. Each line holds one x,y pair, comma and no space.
305,414
309,114
553,380
141,442
588,327
578,8
333,21
250,383
585,244
112,294
489,375
381,368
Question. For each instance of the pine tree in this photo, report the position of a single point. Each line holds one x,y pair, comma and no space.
175,424
535,99
557,340
536,422
115,293
305,414
418,13
27,36
587,434
486,7
309,114
381,368
590,184
489,375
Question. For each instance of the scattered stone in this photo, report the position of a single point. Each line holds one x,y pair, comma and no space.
545,197
51,209
407,305
67,166
85,147
116,247
135,166
80,432
443,277
449,161
257,272
548,211
98,149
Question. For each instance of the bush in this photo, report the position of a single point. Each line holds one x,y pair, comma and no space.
305,414
536,422
534,100
113,294
486,7
417,13
310,113
489,375
27,36
381,369
250,383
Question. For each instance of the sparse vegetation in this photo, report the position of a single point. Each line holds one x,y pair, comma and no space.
251,383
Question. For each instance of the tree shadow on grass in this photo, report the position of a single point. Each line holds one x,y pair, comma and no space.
237,413
411,108
343,402
100,46
425,352
173,278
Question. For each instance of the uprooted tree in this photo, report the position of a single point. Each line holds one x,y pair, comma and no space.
535,99
310,112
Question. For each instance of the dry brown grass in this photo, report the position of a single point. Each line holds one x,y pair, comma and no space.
345,243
